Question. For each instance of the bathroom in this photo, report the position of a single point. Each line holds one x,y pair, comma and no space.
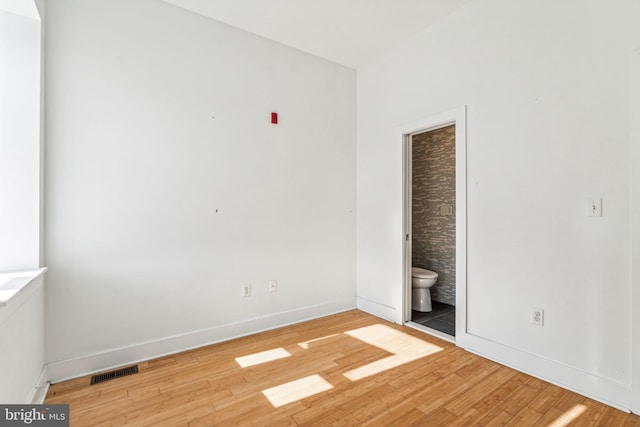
433,228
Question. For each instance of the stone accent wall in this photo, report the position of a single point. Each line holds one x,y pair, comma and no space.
434,209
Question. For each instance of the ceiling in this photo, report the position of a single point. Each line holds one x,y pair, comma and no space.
349,32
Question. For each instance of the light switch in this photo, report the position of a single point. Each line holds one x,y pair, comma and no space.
594,206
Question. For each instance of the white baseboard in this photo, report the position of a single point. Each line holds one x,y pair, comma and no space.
89,364
379,310
41,388
601,389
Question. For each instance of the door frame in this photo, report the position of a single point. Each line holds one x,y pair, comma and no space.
458,117
634,211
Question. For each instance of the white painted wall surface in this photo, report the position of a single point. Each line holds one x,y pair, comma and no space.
19,141
26,8
22,334
546,85
158,213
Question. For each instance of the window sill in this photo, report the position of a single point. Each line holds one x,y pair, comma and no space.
18,285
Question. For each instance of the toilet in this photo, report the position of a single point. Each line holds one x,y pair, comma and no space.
421,281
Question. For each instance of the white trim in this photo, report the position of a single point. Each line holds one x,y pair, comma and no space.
435,121
379,310
605,390
458,117
461,225
634,212
433,332
89,364
407,225
23,284
39,392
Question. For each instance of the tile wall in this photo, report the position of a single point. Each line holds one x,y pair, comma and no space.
434,209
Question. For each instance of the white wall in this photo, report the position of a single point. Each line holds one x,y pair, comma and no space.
22,328
19,141
22,334
546,85
158,213
26,8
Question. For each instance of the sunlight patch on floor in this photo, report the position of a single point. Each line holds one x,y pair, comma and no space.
569,416
296,390
378,366
404,348
305,344
262,357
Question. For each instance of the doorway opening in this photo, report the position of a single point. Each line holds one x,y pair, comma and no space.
435,225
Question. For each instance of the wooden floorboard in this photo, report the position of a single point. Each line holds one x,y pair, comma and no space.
429,382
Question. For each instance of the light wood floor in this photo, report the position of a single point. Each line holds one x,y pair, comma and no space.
445,387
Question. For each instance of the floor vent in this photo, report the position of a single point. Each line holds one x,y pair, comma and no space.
95,379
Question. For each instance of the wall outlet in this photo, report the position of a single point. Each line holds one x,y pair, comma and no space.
537,316
273,286
246,290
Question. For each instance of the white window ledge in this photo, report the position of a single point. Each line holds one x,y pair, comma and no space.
18,284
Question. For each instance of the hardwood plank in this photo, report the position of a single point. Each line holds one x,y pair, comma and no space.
207,386
526,417
485,383
612,417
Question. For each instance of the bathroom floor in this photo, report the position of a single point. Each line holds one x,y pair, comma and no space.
442,318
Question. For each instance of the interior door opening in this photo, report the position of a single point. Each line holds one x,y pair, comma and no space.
433,229
435,226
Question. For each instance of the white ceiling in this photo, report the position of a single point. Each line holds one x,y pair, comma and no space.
349,32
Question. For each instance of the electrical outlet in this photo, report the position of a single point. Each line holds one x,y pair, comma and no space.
273,286
246,290
537,316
